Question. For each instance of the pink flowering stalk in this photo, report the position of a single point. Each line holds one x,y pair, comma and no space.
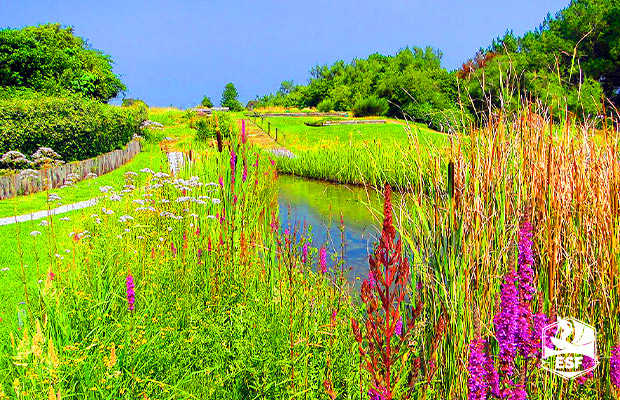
244,177
323,260
586,363
506,324
221,182
131,296
233,165
304,253
244,138
614,365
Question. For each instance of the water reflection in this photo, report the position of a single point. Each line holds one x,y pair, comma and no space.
319,204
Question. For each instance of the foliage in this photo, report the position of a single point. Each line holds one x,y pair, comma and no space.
50,58
206,102
74,127
207,127
229,98
133,102
370,106
326,105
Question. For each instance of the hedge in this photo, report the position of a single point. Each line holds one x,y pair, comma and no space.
74,127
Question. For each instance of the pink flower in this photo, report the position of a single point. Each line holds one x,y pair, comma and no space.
131,296
323,260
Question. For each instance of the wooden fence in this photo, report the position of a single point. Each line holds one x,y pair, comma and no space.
19,183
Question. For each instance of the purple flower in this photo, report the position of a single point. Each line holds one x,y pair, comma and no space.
506,323
233,164
586,363
197,230
173,249
539,321
323,260
477,367
371,279
199,253
304,253
614,366
526,261
245,172
243,136
221,180
398,330
131,295
255,165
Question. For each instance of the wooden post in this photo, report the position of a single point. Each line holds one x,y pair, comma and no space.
268,128
276,134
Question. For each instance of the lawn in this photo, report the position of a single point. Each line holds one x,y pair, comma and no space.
299,136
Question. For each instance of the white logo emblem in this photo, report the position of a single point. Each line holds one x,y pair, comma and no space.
563,354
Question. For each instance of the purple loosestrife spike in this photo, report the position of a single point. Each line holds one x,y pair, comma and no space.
131,296
526,261
243,136
233,164
173,249
477,367
586,363
221,181
199,253
255,165
614,365
323,260
197,231
505,322
398,330
371,279
304,253
244,177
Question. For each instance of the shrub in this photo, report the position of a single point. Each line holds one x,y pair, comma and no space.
370,106
326,105
207,126
74,127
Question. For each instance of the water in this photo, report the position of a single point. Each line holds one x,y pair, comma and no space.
319,204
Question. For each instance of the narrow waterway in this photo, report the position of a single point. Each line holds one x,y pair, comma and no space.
320,204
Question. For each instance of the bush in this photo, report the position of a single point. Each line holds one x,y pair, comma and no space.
207,126
370,106
74,127
326,105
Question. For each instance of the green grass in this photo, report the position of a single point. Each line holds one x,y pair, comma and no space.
150,157
299,136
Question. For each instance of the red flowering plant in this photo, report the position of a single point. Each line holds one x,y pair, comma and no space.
383,342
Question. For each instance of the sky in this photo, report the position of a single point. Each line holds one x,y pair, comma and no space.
175,52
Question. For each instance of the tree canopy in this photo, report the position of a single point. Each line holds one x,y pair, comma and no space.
52,59
229,98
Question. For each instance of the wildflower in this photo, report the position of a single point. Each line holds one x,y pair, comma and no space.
35,233
586,363
216,201
53,197
115,197
233,164
221,181
105,189
255,165
323,260
244,177
65,219
304,253
5,269
44,223
371,279
130,292
614,365
477,381
244,138
91,175
125,218
505,322
173,249
199,253
398,329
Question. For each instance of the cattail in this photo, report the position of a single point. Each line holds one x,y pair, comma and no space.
130,293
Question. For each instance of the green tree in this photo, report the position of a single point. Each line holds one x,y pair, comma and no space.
206,102
52,59
229,98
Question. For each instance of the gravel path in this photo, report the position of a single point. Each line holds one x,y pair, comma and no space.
43,214
175,160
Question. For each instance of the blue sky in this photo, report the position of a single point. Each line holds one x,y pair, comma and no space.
174,52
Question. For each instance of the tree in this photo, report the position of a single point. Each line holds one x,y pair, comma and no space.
206,102
52,59
286,87
229,98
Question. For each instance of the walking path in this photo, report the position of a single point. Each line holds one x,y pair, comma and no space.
260,138
175,161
